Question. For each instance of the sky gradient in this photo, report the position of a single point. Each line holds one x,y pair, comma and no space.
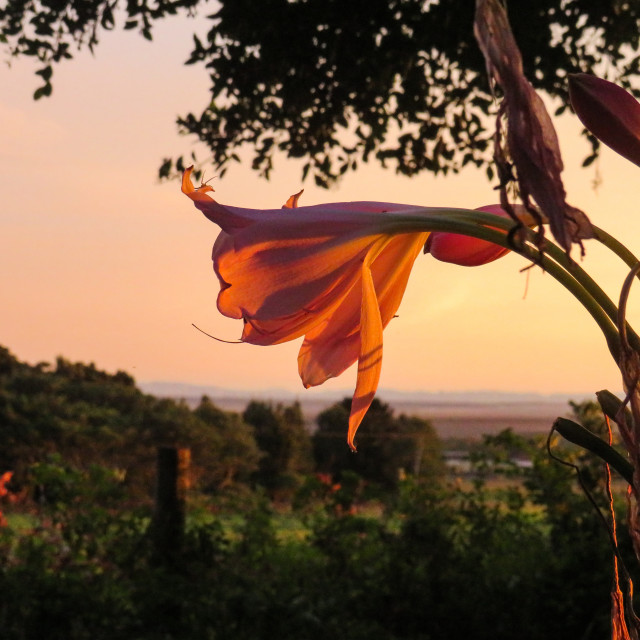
102,263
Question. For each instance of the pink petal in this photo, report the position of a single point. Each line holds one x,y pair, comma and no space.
463,250
467,251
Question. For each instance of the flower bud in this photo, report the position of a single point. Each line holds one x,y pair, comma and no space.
609,112
465,250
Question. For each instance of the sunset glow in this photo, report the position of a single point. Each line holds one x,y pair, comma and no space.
102,263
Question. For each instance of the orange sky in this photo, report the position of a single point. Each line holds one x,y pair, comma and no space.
101,263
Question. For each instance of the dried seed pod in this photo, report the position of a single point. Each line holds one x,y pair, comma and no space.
531,139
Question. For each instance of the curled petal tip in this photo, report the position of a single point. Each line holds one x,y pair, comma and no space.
187,185
189,190
351,433
292,201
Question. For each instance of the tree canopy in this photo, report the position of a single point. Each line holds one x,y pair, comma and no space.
340,82
89,417
389,446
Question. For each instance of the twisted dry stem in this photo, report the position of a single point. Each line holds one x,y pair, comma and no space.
629,364
532,142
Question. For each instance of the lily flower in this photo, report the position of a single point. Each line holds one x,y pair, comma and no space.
333,273
610,112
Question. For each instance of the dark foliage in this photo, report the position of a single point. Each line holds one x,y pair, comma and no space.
89,417
283,439
445,563
77,415
389,446
340,82
514,547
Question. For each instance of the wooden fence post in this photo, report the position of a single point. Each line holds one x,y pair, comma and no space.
172,482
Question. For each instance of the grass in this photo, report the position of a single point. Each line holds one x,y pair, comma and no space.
21,522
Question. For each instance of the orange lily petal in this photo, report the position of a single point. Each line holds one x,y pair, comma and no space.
392,268
284,328
319,360
370,358
274,277
332,346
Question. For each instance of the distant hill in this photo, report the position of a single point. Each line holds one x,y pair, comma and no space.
187,391
453,414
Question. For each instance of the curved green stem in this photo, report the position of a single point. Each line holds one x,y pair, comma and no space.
567,273
608,306
573,267
615,246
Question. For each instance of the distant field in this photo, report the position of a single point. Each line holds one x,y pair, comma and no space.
475,419
459,419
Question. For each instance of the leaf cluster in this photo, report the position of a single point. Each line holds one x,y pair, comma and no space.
340,82
63,424
402,82
283,438
51,31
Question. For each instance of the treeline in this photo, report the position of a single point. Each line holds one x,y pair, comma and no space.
288,534
438,561
90,419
